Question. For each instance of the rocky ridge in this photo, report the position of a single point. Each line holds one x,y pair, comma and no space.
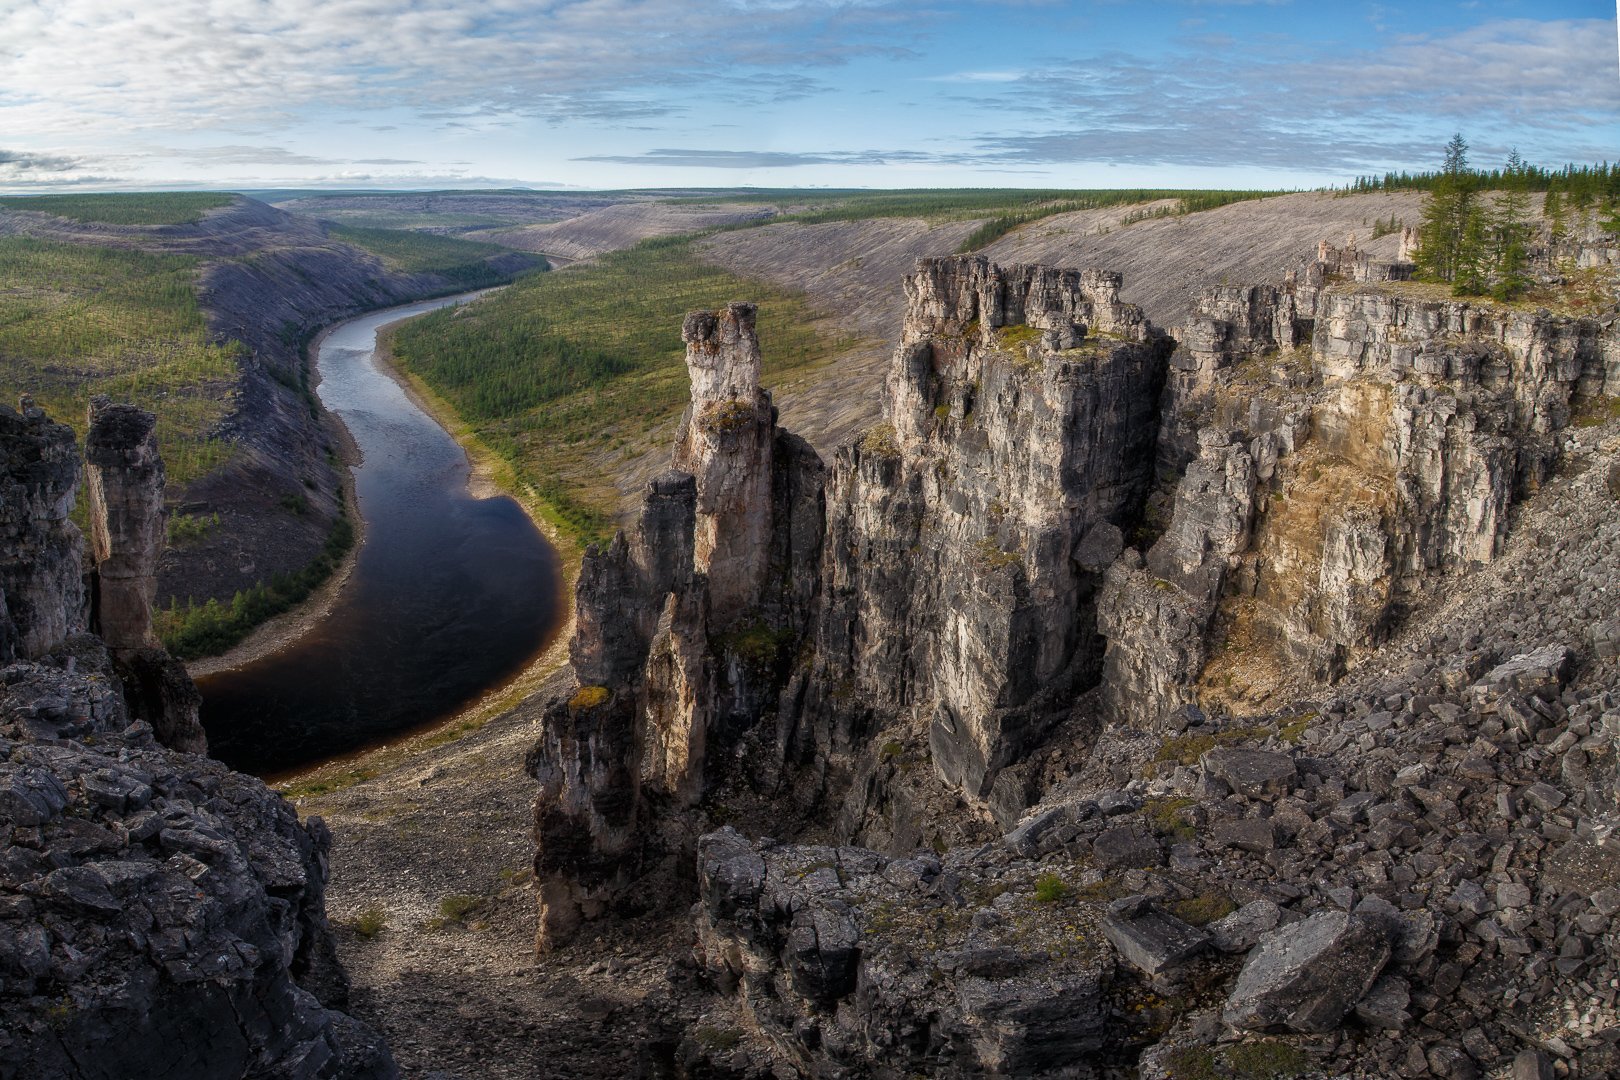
1164,553
160,915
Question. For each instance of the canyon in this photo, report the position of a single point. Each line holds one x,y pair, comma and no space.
1235,699
1111,597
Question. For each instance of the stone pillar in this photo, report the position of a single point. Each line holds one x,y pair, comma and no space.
124,479
726,444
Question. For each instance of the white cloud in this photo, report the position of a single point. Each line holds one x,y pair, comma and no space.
99,66
1537,84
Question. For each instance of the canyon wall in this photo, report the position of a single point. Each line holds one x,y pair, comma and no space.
1119,575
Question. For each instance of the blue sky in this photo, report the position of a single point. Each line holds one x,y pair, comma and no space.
655,93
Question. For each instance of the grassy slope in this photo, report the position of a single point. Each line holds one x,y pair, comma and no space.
568,375
147,208
463,262
78,321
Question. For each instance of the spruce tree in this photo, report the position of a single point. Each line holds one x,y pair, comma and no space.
1512,229
1446,215
1553,209
1471,256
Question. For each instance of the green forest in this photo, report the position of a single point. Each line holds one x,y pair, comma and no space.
77,321
463,262
566,375
144,208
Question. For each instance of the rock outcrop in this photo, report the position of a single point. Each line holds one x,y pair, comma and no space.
42,598
1333,450
124,483
682,627
160,915
967,535
851,963
1060,566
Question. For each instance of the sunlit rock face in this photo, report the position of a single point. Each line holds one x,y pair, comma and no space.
1021,414
683,626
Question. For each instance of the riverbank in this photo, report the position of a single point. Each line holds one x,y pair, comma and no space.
280,631
489,476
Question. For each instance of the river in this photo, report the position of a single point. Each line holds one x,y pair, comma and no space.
450,594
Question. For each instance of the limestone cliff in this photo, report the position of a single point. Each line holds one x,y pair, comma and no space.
966,536
1351,443
681,628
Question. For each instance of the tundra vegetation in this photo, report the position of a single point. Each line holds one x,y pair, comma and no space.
147,208
78,321
465,263
567,375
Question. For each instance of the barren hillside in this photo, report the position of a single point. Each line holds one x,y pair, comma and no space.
622,225
851,270
1164,258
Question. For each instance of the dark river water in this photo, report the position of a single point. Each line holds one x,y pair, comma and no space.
450,594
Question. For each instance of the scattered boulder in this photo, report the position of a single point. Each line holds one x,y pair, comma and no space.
1308,976
1149,939
1253,774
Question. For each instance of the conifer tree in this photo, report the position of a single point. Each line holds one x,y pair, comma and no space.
1471,256
1512,229
1446,215
1553,210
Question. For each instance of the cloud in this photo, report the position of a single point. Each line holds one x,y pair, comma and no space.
19,162
758,159
1324,111
81,67
26,170
978,77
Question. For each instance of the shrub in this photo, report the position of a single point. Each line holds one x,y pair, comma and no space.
368,924
1050,888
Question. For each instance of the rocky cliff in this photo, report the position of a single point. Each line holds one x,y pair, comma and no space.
160,915
1155,587
966,536
680,631
1352,446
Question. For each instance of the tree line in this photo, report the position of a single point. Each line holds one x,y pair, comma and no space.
1482,246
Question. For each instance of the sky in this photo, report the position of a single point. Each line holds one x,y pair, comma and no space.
119,94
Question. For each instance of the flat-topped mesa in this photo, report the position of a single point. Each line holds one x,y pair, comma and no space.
725,444
124,480
41,550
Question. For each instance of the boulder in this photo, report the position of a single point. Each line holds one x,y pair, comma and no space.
1254,774
1308,976
1151,940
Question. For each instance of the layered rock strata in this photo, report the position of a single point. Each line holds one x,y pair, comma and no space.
160,915
1368,441
967,535
951,578
124,482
